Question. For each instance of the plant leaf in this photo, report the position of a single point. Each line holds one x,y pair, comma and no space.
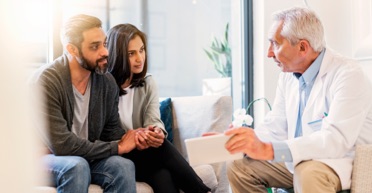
219,53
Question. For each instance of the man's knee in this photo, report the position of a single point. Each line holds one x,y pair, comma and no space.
76,171
114,174
305,172
121,166
77,166
311,173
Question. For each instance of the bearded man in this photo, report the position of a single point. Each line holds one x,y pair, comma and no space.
82,134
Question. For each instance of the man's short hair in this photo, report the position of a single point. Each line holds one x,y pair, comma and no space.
73,28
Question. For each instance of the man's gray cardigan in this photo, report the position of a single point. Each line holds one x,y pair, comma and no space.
103,119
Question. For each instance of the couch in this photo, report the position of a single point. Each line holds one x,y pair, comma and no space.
192,116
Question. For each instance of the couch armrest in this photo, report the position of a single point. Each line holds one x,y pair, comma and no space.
195,115
362,177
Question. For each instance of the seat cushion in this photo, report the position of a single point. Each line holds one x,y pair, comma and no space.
207,174
361,176
141,188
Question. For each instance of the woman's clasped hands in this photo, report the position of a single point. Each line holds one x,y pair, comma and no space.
151,136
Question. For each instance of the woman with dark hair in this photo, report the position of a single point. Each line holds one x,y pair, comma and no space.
157,161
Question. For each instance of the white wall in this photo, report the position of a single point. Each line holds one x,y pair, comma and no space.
338,18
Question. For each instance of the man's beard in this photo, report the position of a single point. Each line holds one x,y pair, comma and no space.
93,67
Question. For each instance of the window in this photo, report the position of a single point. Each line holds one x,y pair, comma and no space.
178,32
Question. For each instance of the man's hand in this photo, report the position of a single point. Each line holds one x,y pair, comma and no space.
155,136
141,139
245,140
127,142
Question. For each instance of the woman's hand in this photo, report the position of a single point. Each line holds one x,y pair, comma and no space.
141,139
155,136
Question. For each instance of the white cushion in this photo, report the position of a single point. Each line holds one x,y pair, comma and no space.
207,174
141,187
193,116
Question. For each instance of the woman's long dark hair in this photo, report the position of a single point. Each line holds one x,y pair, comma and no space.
118,39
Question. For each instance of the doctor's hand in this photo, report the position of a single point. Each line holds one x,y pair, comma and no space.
210,134
245,140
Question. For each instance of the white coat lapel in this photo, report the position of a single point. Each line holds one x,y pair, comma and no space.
292,105
318,84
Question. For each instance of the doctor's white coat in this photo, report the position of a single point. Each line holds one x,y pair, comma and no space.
344,93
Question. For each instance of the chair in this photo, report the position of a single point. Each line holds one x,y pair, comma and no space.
361,180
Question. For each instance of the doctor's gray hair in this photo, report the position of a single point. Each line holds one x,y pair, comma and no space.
301,24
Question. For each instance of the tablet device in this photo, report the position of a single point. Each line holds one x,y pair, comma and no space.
209,149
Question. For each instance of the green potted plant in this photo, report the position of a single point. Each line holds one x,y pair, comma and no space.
219,53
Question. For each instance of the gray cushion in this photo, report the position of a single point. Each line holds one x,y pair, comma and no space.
361,177
207,174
